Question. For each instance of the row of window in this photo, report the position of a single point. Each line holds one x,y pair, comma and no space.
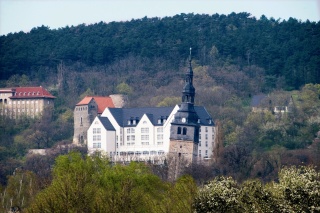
160,152
17,102
143,130
206,129
20,110
206,153
205,143
27,93
81,108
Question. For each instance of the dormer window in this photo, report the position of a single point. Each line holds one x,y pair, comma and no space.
129,122
134,122
209,121
159,121
198,120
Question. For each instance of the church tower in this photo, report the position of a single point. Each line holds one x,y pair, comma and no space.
184,132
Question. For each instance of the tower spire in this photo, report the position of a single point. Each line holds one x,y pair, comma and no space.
187,110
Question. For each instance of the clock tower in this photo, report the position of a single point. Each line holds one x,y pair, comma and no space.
184,132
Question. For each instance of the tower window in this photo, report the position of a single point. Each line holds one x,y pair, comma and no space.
184,131
179,130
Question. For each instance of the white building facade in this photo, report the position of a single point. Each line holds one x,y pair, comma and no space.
143,134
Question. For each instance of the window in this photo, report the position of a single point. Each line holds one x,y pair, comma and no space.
128,131
179,131
128,137
144,137
199,143
160,137
132,130
133,137
160,129
206,129
145,130
159,143
96,145
206,153
206,136
96,130
160,152
206,143
184,131
97,138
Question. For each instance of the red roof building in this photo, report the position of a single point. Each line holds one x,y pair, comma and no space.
27,101
85,112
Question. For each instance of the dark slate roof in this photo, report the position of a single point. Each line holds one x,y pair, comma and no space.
204,116
122,115
256,100
106,123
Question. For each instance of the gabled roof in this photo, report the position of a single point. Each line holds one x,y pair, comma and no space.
102,102
30,92
122,115
204,116
256,100
106,123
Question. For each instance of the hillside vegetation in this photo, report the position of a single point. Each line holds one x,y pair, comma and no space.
234,57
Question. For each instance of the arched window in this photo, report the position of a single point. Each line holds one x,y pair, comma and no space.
179,130
184,132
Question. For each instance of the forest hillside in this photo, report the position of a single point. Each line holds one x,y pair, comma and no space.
234,58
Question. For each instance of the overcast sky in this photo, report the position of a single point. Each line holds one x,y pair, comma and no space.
23,15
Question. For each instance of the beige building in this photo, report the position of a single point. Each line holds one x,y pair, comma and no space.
24,101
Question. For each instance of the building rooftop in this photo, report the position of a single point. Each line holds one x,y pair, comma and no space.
29,92
102,102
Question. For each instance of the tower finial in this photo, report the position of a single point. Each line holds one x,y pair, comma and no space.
190,54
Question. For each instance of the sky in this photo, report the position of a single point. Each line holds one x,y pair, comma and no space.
23,15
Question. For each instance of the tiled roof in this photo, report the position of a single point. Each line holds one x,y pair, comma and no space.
122,115
30,92
106,123
102,102
84,101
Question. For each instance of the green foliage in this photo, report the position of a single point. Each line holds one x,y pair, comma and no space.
20,190
220,195
92,184
169,101
124,88
298,190
287,48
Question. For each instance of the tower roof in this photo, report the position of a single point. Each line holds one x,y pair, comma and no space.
102,102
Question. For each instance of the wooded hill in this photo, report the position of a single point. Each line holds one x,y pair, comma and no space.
287,48
234,58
